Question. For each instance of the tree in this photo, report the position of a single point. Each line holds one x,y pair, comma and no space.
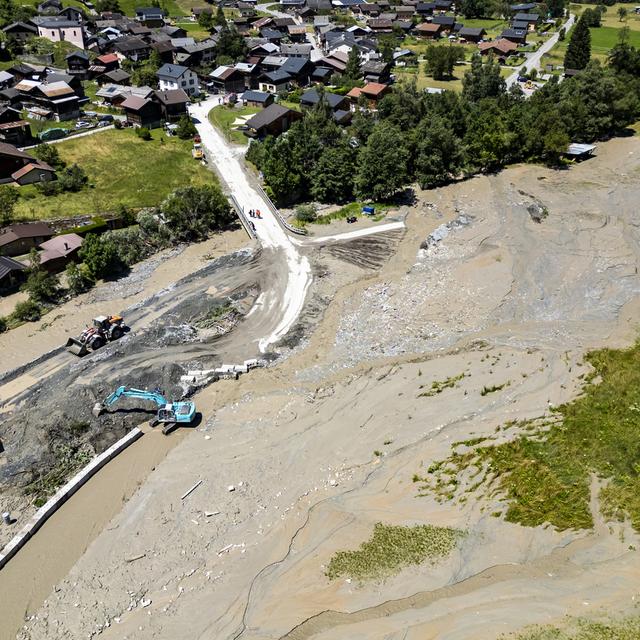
382,163
592,17
41,286
623,57
231,43
72,178
442,59
108,5
192,212
205,20
483,80
49,153
185,128
579,50
622,14
306,213
145,76
220,19
8,198
475,8
100,256
78,278
352,70
438,154
556,8
27,311
332,178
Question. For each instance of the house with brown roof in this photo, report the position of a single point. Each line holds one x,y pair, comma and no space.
501,48
373,92
18,239
56,100
273,121
13,129
227,79
429,30
56,253
142,112
19,167
173,104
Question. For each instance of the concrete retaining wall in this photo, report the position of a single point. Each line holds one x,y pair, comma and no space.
63,494
246,223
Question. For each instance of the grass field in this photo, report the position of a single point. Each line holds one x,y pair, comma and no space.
391,548
121,169
583,629
193,29
610,18
423,81
543,473
172,7
223,118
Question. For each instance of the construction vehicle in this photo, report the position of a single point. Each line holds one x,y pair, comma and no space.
169,414
197,152
104,329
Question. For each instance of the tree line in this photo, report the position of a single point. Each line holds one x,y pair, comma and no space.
189,214
434,138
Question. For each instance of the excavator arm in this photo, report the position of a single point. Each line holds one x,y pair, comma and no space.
126,392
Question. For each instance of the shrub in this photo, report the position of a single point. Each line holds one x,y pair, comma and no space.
49,188
117,124
79,279
27,311
185,128
72,178
306,213
3,324
143,133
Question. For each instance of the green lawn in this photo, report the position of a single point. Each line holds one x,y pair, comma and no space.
121,169
172,7
223,118
193,29
610,18
423,81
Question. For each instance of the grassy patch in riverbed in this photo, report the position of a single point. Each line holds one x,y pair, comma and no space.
392,548
544,475
625,629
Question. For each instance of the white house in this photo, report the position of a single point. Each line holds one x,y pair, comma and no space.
57,30
174,76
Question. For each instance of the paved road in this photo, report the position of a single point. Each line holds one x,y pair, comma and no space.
229,163
533,61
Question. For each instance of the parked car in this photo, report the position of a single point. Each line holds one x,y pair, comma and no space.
83,124
103,123
107,117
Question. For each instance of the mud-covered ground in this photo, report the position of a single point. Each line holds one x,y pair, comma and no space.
324,443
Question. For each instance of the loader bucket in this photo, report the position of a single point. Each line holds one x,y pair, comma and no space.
77,347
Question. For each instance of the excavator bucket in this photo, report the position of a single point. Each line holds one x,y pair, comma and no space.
97,409
75,346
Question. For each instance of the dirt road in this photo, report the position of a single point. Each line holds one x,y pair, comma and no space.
323,445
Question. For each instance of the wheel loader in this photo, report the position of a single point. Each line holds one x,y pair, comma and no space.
104,329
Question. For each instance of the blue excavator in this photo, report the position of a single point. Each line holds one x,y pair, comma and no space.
170,414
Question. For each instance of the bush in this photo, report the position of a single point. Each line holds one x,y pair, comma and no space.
27,311
143,133
72,178
79,279
117,124
41,286
185,129
100,256
49,153
306,213
3,324
49,188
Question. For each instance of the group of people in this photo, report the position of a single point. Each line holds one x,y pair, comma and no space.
255,213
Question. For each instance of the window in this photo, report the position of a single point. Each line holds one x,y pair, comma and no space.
191,81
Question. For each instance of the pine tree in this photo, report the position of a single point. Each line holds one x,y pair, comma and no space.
352,70
579,49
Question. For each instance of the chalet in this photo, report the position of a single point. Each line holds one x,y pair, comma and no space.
246,10
150,16
12,273
443,5
447,22
312,97
306,14
73,13
142,112
373,92
380,25
297,33
501,48
196,12
299,69
530,19
109,61
520,26
274,81
296,50
337,62
405,12
6,79
273,121
265,49
56,253
369,9
173,32
174,76
173,104
18,239
322,75
227,79
519,36
200,53
263,22
523,8
271,35
13,129
132,48
471,34
374,71
403,25
115,94
78,64
117,76
319,5
257,98
55,100
34,172
58,29
425,8
428,30
283,23
21,31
